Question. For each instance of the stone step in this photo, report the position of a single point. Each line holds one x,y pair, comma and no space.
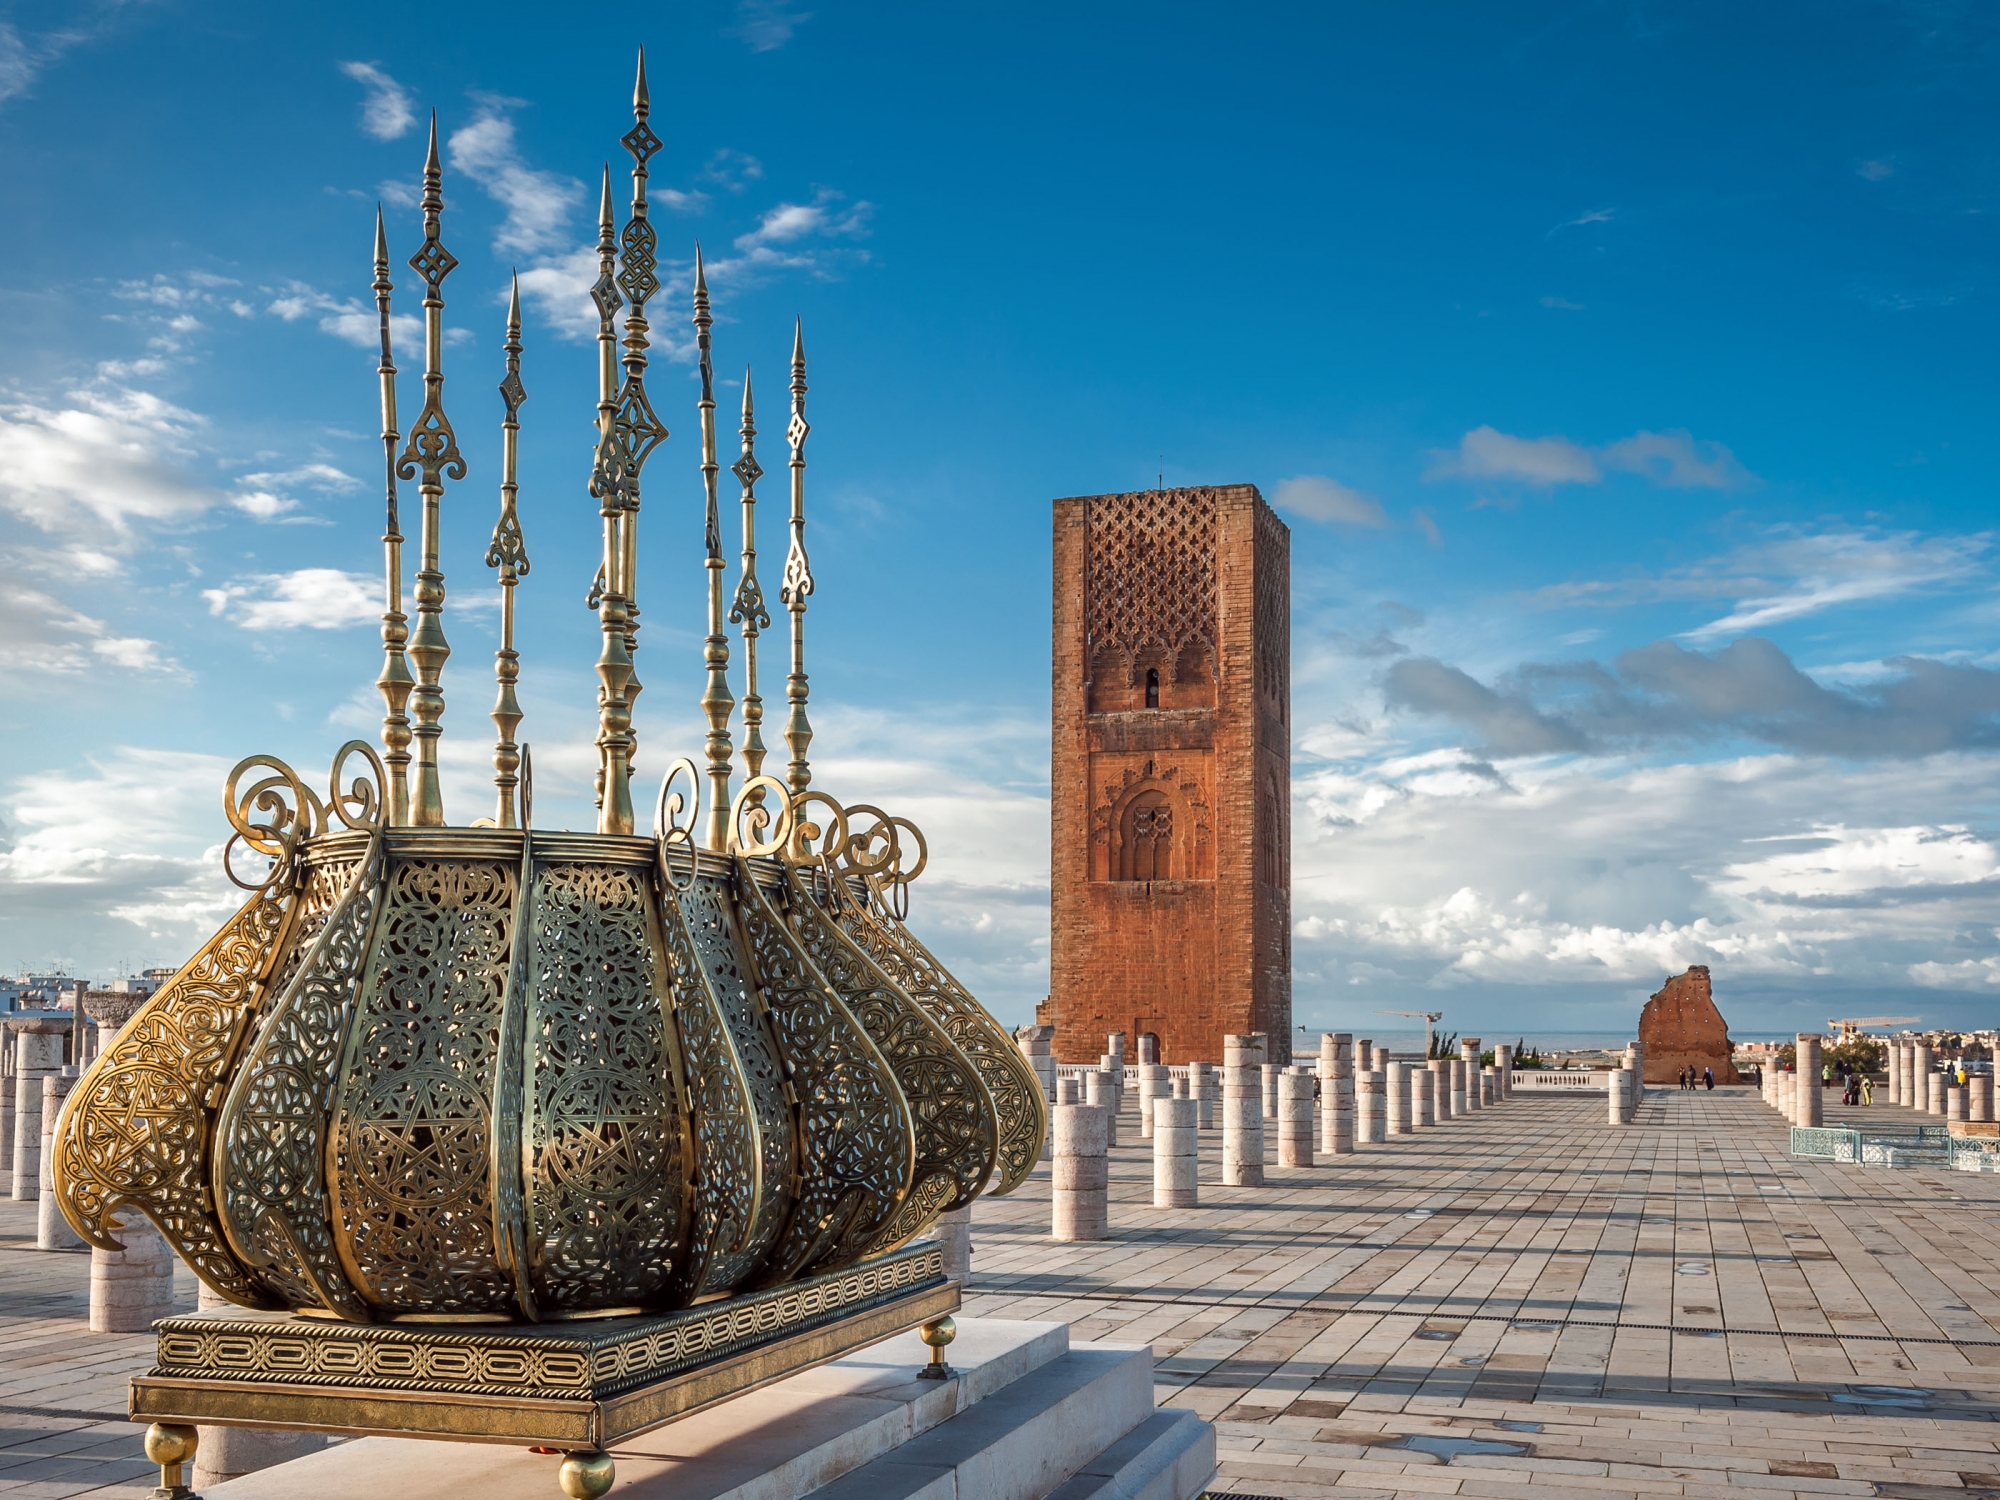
784,1440
1083,1428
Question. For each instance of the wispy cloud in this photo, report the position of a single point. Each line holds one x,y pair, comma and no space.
538,202
1588,216
39,633
98,462
386,112
1850,567
307,598
1876,170
1675,460
1562,304
768,24
1318,498
24,56
349,319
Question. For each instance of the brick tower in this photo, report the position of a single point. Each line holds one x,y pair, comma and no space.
1170,891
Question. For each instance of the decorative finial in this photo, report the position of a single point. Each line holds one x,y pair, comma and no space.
749,609
715,699
395,682
432,452
630,432
798,585
509,553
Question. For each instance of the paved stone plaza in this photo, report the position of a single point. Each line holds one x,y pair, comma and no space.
1383,1323
1534,1278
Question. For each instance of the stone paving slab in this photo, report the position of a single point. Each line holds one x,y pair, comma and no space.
1673,1307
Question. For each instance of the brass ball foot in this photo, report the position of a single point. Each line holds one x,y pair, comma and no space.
170,1445
586,1475
937,1335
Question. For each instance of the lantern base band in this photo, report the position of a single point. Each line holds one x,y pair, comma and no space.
570,1386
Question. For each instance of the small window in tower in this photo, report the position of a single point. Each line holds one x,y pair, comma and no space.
1152,687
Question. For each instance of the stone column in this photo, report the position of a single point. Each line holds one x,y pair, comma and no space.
7,1107
1149,1051
1468,1053
1067,1092
1440,1071
1078,1208
36,1055
1426,1095
1811,1105
1155,1082
52,1231
1892,1092
1503,1073
1175,1181
1936,1105
1370,1108
1102,1090
130,1288
1958,1101
1295,1119
1336,1100
1114,1046
1982,1096
1462,1096
954,1237
1381,1063
1635,1064
1364,1055
1242,1111
1620,1097
1401,1117
1039,1050
1270,1086
1489,1086
1201,1087
1917,1089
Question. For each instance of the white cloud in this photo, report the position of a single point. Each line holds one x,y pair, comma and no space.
24,57
352,321
1318,498
385,106
538,203
262,505
109,457
787,223
40,633
1676,460
560,286
311,598
768,24
1487,453
312,476
1966,974
1826,569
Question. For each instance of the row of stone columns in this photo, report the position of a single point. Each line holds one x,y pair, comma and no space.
1915,1083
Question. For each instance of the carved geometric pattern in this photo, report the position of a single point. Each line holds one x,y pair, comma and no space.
271,1135
605,1143
761,1169
1016,1093
949,1106
1112,829
411,1144
857,1144
569,1360
139,1133
1273,607
1149,574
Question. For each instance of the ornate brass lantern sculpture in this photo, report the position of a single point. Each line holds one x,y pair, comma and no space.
435,1094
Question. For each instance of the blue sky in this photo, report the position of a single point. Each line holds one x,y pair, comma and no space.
1625,373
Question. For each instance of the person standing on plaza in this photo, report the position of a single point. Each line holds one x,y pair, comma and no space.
1708,1078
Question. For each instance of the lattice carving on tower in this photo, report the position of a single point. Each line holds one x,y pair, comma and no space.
1274,610
1149,578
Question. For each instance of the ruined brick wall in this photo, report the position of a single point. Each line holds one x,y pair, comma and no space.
1171,770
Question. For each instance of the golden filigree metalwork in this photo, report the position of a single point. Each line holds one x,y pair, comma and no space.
491,1074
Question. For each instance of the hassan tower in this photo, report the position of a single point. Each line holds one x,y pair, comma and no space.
1170,879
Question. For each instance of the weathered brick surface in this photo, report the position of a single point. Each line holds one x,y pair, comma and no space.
1171,826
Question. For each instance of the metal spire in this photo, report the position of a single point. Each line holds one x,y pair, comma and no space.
631,432
715,699
748,609
432,452
508,553
798,585
395,682
605,294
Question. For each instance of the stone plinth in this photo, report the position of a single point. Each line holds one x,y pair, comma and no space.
1680,1028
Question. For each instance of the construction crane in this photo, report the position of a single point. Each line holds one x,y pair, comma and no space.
1428,1015
1851,1028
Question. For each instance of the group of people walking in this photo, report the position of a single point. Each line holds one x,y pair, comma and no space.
1691,1080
